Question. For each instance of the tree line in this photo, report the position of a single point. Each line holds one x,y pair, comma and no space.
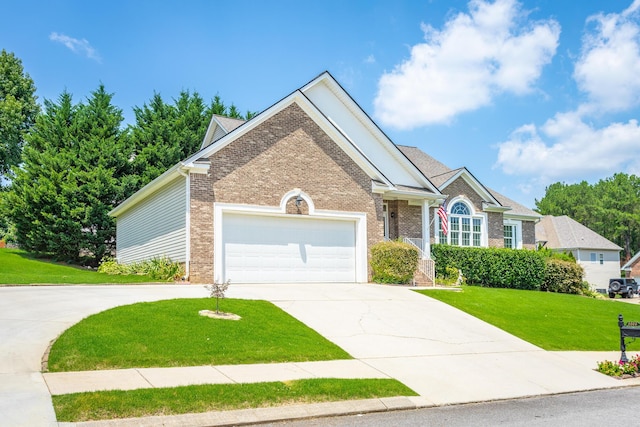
610,207
65,165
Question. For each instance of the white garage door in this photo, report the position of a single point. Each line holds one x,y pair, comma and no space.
268,249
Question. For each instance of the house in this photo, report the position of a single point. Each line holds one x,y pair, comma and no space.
300,192
599,257
632,267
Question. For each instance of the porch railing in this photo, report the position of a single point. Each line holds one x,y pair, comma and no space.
426,265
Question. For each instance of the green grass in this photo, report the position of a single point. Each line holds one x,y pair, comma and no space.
172,333
203,398
17,267
550,321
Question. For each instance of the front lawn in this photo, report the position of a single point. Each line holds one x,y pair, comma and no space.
204,398
549,320
172,333
18,267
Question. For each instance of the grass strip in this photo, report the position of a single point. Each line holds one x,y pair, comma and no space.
218,397
172,333
551,321
18,267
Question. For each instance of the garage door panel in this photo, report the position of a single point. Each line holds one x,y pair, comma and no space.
286,249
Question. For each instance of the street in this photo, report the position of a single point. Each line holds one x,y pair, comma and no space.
593,408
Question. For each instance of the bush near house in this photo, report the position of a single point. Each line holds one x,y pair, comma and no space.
393,262
511,268
563,277
159,268
492,267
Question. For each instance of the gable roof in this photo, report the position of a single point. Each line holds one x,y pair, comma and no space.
562,232
441,175
630,263
341,118
219,127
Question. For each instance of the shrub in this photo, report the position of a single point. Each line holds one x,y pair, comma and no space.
393,262
111,266
492,267
563,277
158,268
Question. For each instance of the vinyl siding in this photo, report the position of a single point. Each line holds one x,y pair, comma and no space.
597,274
155,227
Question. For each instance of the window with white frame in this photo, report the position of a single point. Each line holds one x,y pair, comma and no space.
512,233
465,228
592,257
509,236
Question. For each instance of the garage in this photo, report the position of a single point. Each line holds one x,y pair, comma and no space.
288,249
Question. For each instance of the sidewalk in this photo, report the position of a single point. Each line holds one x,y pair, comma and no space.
130,379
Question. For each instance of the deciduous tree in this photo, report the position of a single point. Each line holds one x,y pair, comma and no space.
18,110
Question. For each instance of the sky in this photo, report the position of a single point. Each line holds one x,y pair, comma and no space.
522,93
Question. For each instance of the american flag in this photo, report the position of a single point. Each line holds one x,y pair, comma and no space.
442,213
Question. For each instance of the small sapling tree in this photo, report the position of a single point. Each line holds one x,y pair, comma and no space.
217,291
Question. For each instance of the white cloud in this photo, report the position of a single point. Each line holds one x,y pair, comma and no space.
477,55
575,149
609,64
79,46
567,146
370,59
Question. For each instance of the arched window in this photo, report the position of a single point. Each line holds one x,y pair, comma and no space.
465,228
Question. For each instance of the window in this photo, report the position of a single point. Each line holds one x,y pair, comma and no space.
465,228
593,257
601,259
509,236
512,234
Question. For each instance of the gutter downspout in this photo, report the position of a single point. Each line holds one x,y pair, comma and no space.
187,175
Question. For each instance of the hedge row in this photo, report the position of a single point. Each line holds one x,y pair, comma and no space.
509,268
492,267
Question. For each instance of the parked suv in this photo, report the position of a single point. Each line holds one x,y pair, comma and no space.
623,286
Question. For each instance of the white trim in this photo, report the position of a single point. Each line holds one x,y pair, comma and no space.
327,79
360,219
426,238
187,263
473,183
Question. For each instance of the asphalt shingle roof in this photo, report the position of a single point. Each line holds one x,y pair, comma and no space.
562,232
439,173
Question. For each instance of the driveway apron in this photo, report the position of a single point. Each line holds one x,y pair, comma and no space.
444,354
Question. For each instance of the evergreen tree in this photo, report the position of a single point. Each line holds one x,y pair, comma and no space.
76,168
165,134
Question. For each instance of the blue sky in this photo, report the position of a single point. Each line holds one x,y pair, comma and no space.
524,94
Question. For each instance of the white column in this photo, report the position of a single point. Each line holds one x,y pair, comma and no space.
426,230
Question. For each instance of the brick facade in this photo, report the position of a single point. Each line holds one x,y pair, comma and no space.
287,151
404,220
528,235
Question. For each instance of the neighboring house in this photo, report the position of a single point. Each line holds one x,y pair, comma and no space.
632,267
299,193
599,257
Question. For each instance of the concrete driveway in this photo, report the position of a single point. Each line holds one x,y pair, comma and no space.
442,353
30,317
